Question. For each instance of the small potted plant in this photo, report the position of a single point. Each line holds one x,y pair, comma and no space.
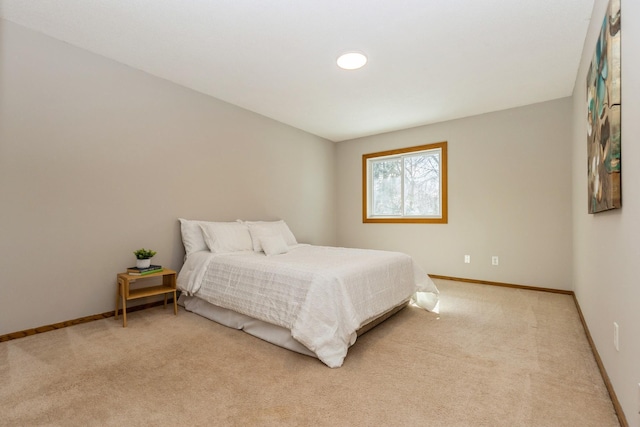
143,257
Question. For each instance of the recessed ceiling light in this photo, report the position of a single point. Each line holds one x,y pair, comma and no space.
351,60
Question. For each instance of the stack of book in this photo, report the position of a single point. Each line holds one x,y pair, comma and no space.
135,271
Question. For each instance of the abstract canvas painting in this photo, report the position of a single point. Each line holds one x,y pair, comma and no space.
603,116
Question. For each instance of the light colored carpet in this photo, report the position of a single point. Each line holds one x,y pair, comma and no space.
492,357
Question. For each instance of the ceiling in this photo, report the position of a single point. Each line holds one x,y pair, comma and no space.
429,60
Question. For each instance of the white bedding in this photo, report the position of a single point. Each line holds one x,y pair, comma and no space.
322,294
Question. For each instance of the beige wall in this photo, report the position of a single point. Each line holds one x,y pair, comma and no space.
98,159
509,195
607,245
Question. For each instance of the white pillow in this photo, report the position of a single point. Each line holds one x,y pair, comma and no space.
223,237
260,229
192,237
274,245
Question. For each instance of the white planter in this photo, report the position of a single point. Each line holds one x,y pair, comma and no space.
143,263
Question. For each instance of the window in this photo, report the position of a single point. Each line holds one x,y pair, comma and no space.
406,185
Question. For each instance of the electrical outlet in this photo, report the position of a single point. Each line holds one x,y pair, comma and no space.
495,260
467,259
616,336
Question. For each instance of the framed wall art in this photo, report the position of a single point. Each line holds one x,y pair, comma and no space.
603,116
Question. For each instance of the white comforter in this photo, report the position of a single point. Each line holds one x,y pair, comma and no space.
322,294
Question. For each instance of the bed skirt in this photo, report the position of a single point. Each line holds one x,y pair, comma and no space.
273,334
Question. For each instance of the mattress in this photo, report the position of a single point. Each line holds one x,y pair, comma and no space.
321,295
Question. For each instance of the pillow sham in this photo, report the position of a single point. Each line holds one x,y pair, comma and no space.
223,237
259,229
192,237
274,244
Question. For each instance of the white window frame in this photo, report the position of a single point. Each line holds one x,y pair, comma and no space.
367,185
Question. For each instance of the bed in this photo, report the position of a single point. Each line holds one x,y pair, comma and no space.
314,300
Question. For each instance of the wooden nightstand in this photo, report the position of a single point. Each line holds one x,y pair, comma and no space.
126,293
